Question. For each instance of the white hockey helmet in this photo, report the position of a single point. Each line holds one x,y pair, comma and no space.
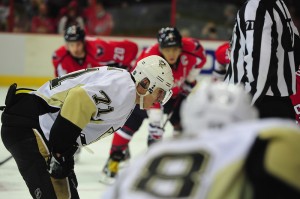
158,72
214,105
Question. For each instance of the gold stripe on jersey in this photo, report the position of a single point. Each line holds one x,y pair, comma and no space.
79,112
56,100
282,157
23,91
230,182
61,186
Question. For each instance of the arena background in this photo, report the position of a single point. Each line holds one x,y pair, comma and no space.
26,58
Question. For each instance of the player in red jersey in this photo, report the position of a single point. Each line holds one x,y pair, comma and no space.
82,52
222,61
186,57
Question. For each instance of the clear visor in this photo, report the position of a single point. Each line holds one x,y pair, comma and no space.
163,96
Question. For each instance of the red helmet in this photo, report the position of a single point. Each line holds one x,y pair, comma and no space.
222,54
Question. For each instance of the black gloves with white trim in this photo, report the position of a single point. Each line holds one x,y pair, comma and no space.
61,165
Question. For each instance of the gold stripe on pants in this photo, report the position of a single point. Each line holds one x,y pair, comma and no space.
61,186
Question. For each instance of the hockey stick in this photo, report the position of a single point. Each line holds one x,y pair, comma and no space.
171,113
168,118
5,160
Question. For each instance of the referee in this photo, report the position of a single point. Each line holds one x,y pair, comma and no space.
263,56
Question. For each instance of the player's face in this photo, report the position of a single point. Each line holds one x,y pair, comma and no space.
76,48
156,96
171,54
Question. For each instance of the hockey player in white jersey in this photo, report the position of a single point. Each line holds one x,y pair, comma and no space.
42,129
215,158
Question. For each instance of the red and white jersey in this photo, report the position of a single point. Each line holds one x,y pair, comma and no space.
98,53
97,100
189,64
211,164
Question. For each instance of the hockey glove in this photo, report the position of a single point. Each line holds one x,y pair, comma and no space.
219,73
187,87
61,166
155,134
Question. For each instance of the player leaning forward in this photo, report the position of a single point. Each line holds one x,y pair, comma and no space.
43,128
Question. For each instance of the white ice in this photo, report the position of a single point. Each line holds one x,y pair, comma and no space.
87,169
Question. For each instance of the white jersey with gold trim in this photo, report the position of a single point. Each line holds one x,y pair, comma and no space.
97,100
209,166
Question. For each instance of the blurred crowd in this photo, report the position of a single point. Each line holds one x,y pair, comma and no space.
40,16
203,19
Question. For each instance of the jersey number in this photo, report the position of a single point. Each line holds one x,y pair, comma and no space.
57,81
119,54
104,100
180,171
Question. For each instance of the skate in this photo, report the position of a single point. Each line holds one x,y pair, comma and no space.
111,167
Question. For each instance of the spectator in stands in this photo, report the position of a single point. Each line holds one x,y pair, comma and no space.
42,23
98,20
4,12
32,7
209,31
230,11
21,20
70,16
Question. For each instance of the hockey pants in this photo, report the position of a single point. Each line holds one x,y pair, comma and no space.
30,154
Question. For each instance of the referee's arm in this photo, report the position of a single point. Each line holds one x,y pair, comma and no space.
258,51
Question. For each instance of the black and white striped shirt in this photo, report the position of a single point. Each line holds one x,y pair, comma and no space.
262,56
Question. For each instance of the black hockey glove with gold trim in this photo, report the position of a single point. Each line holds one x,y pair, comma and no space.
61,166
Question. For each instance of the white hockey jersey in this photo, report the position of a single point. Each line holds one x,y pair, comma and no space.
98,100
209,166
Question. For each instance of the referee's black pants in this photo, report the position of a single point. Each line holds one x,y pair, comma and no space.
279,107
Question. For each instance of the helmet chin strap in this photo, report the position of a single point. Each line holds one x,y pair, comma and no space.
141,102
141,99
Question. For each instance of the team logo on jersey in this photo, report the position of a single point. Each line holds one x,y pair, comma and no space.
99,51
161,63
250,25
